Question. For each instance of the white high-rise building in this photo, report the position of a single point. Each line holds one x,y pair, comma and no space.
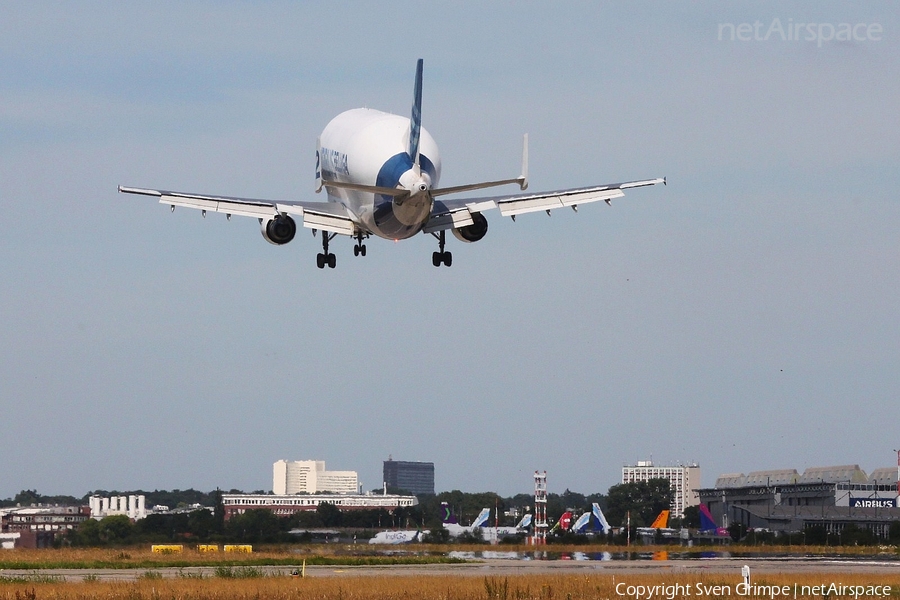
310,477
684,480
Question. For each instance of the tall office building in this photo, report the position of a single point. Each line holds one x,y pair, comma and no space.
684,481
414,477
309,477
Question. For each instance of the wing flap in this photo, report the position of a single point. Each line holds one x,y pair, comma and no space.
520,205
243,209
451,220
336,224
328,216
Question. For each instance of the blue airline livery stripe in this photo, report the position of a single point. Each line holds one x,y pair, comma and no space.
415,123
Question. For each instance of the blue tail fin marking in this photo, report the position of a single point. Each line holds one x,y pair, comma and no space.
415,121
706,520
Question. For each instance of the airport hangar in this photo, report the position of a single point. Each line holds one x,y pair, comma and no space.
286,505
784,501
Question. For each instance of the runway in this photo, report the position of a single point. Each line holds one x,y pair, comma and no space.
496,567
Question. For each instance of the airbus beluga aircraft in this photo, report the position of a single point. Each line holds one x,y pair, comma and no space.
381,175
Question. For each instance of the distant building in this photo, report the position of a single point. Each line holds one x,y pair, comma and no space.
284,505
310,477
684,481
413,477
786,501
134,507
38,526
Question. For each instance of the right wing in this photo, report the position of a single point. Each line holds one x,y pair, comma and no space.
328,216
449,214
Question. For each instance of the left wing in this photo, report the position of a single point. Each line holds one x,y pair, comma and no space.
328,216
449,214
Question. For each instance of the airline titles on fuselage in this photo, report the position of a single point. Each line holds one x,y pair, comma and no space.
333,163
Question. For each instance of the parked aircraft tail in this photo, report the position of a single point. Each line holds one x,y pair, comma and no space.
662,521
707,523
525,523
447,515
601,523
482,518
582,523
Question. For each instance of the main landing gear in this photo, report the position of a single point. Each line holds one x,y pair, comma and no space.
326,257
441,257
359,249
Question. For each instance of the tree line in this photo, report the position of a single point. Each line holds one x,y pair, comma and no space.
642,500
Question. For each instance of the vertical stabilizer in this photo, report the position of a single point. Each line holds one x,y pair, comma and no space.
706,520
525,523
415,121
581,523
483,517
447,516
662,520
601,519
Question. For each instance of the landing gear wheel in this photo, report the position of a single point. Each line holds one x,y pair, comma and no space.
360,249
438,258
325,257
441,256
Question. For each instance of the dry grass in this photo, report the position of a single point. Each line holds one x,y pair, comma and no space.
543,587
131,558
359,554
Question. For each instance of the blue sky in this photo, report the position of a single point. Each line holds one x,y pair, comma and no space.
744,316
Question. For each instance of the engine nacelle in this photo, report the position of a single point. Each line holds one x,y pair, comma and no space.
279,230
473,232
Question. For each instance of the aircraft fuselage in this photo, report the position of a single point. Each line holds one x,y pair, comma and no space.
368,147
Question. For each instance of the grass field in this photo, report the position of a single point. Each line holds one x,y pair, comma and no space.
543,587
355,554
143,558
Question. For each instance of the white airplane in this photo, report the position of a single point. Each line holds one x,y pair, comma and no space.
600,524
496,533
381,174
403,536
457,530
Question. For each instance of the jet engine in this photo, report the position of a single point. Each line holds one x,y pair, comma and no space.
474,232
279,230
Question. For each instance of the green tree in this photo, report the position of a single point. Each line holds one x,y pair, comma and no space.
329,514
116,529
218,512
87,534
437,535
643,499
691,518
256,525
201,523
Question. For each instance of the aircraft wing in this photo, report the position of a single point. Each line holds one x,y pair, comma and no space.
448,214
328,216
